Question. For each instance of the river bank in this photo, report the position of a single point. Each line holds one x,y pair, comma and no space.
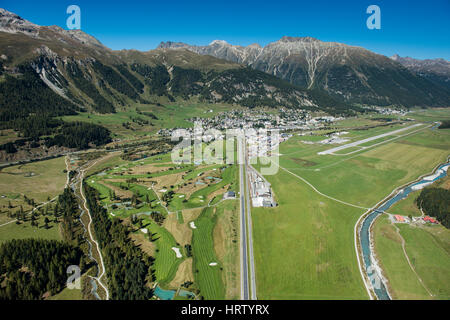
376,283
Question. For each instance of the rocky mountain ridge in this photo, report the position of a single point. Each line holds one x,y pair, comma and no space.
352,74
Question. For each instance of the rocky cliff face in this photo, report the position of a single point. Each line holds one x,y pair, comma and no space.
12,23
350,73
435,70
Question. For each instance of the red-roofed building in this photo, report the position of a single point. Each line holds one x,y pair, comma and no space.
429,219
399,218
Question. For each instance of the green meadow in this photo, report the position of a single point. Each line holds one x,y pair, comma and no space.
172,115
24,230
402,281
304,248
428,249
37,180
208,277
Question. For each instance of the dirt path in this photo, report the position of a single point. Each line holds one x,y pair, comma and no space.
409,262
92,239
45,203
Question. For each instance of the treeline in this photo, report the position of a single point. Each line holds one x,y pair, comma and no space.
184,82
32,267
445,124
115,80
80,135
245,86
36,126
67,208
29,106
128,268
135,82
435,202
100,105
27,94
155,77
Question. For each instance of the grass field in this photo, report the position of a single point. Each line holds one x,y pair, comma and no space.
172,115
310,237
24,230
208,278
403,283
304,246
37,180
428,249
68,294
166,262
364,178
7,135
407,206
226,246
430,114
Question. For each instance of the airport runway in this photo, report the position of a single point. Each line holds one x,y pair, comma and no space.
356,143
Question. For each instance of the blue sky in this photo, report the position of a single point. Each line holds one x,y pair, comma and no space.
420,29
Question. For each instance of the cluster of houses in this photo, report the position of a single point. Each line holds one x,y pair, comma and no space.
396,218
286,120
254,119
388,111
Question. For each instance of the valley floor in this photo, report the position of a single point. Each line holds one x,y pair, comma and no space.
304,248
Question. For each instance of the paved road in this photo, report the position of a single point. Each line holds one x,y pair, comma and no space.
244,266
251,259
248,288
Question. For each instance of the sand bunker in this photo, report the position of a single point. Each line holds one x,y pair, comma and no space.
177,252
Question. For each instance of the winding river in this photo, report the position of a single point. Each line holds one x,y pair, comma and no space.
373,271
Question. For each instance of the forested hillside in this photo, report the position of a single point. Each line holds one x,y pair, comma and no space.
25,94
29,268
435,202
127,266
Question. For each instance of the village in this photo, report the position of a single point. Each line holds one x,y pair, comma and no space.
286,120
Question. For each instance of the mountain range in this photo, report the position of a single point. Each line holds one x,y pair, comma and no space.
435,70
347,73
72,71
91,77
